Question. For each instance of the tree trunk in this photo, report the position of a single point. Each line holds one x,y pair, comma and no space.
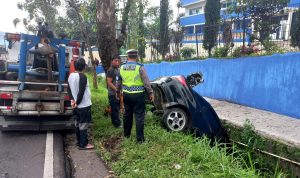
95,83
164,40
141,30
107,43
86,37
121,39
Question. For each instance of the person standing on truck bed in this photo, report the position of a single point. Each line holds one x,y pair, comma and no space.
81,102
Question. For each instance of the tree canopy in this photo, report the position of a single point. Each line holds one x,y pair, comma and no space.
39,11
262,13
164,40
211,27
295,33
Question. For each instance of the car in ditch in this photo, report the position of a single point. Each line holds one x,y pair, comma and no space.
183,109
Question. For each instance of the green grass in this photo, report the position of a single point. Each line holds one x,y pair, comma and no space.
163,154
267,164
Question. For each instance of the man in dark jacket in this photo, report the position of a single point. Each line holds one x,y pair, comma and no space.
113,80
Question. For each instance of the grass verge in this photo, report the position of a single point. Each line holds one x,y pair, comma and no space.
267,164
164,154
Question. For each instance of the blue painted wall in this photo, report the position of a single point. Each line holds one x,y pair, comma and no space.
99,69
271,83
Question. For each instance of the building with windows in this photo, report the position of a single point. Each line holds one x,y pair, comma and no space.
194,19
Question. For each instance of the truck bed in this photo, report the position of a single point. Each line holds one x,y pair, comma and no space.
34,108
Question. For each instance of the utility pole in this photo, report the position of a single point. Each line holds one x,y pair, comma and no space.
197,43
244,29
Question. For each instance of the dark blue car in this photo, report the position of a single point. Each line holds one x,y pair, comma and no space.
183,109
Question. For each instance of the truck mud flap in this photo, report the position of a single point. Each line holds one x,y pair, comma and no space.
36,123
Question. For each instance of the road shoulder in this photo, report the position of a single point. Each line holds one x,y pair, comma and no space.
84,163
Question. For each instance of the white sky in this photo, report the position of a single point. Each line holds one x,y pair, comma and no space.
172,4
9,11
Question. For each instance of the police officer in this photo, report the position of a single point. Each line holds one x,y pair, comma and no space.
135,83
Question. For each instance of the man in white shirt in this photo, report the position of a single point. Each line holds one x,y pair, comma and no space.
81,102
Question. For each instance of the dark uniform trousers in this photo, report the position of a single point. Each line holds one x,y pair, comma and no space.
134,104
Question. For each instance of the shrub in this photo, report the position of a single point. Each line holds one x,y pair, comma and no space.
248,50
171,57
271,47
237,52
221,52
187,52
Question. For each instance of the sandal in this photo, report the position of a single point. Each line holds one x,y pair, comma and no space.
87,147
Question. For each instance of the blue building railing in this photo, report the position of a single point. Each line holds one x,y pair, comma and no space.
191,20
294,3
200,18
187,2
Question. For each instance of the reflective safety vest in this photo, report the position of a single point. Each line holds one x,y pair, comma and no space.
131,78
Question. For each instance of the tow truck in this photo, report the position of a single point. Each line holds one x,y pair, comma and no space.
33,92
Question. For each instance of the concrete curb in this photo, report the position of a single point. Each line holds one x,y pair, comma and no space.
59,163
85,163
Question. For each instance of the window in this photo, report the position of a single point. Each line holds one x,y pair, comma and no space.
195,11
223,4
189,30
199,28
228,3
237,25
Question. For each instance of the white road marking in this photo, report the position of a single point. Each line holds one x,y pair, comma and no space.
48,165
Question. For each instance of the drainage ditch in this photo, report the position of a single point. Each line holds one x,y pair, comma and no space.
270,157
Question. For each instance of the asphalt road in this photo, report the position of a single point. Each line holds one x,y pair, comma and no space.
31,155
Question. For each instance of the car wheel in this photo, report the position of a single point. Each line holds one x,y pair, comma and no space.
158,100
176,119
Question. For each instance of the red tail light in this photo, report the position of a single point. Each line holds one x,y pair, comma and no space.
6,96
181,80
67,98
